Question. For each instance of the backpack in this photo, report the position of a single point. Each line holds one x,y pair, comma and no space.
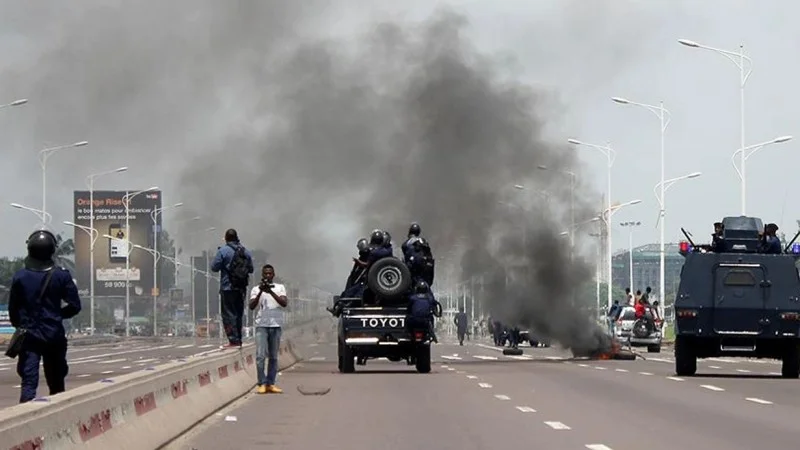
238,269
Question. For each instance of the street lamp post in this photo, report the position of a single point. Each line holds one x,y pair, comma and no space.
43,216
93,235
175,249
126,202
156,233
192,260
90,184
156,256
597,274
19,102
630,225
606,217
44,155
610,155
747,152
572,180
663,187
738,58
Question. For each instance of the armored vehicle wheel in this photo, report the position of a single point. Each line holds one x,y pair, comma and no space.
685,359
394,358
791,363
389,278
346,359
423,359
655,348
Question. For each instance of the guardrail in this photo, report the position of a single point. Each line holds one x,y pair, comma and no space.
146,409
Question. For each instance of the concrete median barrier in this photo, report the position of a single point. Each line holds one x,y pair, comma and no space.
146,409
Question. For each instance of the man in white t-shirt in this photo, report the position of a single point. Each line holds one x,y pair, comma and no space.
269,300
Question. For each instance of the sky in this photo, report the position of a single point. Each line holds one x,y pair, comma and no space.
160,89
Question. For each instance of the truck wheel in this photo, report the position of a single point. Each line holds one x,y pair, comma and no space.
655,348
791,363
685,359
346,359
423,359
389,278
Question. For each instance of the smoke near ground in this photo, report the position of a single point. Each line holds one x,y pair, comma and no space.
304,143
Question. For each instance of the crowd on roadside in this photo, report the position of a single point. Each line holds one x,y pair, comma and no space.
643,308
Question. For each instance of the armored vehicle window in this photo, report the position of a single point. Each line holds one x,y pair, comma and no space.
739,278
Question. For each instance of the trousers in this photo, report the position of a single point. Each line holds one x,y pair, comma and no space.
268,342
232,308
53,356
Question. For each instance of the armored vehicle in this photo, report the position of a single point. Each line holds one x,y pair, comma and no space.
736,300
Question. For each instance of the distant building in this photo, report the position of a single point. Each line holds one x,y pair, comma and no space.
646,270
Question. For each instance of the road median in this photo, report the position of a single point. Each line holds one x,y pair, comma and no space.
149,408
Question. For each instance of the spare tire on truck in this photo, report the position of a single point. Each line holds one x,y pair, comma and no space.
389,278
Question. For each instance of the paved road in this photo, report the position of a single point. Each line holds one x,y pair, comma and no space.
476,398
90,364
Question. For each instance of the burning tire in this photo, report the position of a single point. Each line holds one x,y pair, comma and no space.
389,278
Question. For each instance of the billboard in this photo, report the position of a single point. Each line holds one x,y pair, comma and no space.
110,254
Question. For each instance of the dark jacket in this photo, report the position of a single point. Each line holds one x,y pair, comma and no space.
43,320
222,262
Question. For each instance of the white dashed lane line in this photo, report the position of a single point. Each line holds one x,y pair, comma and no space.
645,373
486,358
455,358
598,447
758,400
502,397
525,409
621,370
714,367
557,426
106,372
711,387
485,385
742,370
472,377
600,368
675,379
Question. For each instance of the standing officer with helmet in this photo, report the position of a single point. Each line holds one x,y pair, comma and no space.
35,310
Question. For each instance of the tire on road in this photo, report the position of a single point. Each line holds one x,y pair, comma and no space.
389,278
423,359
512,351
685,359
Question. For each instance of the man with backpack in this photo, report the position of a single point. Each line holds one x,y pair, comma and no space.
235,264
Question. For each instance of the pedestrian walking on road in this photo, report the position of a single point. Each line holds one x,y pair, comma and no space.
235,264
270,299
34,308
461,323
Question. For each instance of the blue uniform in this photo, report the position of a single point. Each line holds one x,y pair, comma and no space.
772,245
45,339
379,253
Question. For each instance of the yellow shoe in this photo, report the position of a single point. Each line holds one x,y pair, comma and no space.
262,389
274,390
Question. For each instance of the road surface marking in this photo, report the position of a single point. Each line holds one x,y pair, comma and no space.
3,368
450,369
660,360
600,368
106,372
621,370
212,345
74,363
472,377
142,361
126,367
113,361
645,373
583,365
758,400
460,372
186,346
675,379
555,358
490,358
525,409
456,358
317,358
711,387
485,385
723,360
84,375
742,370
521,357
775,373
598,447
715,367
444,366
502,397
17,386
557,426
489,347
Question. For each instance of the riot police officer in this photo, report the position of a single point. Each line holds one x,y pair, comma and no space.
418,256
422,307
37,291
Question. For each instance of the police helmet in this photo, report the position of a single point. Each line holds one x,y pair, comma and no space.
414,230
377,237
362,245
387,238
41,245
421,287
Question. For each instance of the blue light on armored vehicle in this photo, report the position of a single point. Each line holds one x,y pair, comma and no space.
796,248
